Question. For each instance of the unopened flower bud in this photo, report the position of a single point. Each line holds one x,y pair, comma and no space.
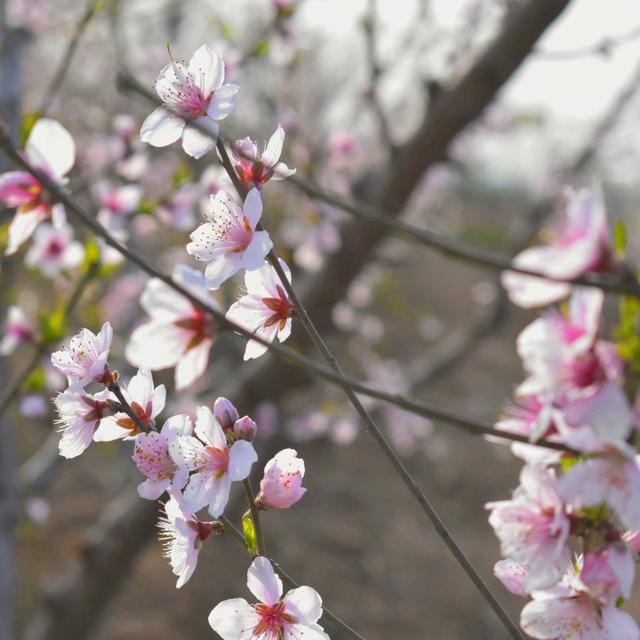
245,429
225,413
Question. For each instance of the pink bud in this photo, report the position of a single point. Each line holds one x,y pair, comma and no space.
245,429
225,413
281,486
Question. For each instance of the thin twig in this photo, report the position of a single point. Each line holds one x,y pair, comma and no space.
424,409
124,406
58,77
232,530
603,47
369,25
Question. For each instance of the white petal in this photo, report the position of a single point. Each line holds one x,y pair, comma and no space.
218,495
51,146
208,429
22,226
273,149
196,143
255,253
305,604
152,489
156,345
207,68
263,581
192,364
223,102
252,207
242,455
234,619
221,268
196,493
161,302
308,632
161,128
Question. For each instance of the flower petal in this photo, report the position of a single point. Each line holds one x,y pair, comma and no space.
223,102
263,582
161,128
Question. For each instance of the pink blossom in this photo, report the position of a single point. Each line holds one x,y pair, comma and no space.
177,334
229,240
215,464
118,202
568,611
84,360
281,486
147,402
33,406
54,250
291,618
17,330
79,416
533,527
151,455
558,352
579,245
609,573
245,429
183,535
512,575
265,310
225,413
192,94
255,170
50,149
612,478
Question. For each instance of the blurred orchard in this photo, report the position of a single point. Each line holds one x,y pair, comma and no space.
340,294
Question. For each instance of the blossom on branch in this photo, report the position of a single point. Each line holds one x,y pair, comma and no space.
265,309
54,250
254,169
196,94
146,401
51,150
293,617
183,534
215,463
80,415
84,360
177,334
281,487
229,241
17,330
579,245
152,457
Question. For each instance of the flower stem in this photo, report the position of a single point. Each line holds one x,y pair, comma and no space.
255,516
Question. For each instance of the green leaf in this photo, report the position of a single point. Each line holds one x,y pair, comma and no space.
249,532
36,380
261,49
182,175
568,462
53,326
28,120
91,254
147,206
620,238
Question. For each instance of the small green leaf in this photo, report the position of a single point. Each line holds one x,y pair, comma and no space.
568,462
53,326
620,238
36,380
249,533
261,49
91,254
28,120
147,206
182,175
619,601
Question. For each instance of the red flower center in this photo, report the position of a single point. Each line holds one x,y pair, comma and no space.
272,621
